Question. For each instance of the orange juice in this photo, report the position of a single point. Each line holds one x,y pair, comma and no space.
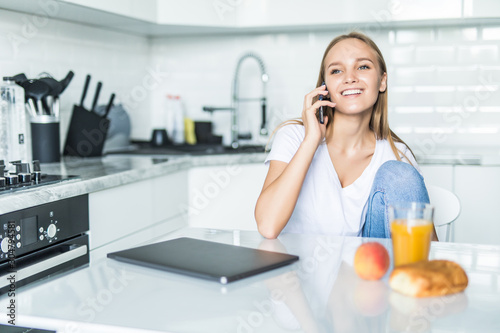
411,240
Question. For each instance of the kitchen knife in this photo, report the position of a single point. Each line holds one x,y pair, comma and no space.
96,96
85,88
110,104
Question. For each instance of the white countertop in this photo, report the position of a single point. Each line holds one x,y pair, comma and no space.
483,156
319,293
100,173
96,174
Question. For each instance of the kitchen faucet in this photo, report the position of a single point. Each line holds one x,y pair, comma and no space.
236,100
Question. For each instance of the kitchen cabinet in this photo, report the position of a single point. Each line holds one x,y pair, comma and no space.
438,175
224,197
138,211
171,17
144,10
478,188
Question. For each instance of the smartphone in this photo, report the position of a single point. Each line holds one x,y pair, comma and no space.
321,115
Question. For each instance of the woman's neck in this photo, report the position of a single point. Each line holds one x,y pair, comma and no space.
350,132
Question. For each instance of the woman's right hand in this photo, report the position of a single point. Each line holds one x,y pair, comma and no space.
284,181
315,131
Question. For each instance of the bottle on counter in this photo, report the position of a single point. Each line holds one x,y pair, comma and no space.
13,112
4,128
175,119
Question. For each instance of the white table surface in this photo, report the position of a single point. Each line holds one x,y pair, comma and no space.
319,293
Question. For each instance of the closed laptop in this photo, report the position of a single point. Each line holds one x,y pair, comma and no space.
204,259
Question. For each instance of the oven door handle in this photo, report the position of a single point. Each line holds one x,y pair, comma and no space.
41,266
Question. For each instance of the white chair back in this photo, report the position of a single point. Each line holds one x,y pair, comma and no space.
446,211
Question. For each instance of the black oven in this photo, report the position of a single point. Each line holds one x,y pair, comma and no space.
43,240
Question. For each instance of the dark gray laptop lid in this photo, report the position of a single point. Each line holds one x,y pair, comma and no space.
204,259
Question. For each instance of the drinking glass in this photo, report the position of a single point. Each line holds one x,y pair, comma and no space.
411,231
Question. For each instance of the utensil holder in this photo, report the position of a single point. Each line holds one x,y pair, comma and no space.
86,134
45,141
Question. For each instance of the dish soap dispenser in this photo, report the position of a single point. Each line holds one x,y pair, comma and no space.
175,119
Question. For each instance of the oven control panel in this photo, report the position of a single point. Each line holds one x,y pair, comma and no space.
37,227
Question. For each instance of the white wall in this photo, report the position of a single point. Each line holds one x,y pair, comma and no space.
34,45
443,82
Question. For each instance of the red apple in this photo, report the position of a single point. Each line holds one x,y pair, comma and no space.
371,261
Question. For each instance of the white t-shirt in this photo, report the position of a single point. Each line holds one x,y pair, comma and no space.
323,206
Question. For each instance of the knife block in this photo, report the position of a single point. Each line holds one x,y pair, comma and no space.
86,134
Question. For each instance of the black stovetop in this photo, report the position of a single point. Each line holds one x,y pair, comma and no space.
46,180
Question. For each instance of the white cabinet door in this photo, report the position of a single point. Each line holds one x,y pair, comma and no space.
145,10
129,209
224,197
442,176
478,189
438,175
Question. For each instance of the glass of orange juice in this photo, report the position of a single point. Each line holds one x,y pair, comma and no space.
411,231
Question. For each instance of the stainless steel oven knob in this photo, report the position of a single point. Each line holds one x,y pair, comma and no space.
51,231
37,176
25,178
12,179
5,245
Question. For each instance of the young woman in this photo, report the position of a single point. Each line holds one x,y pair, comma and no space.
340,176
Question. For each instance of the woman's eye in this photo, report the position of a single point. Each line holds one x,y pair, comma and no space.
335,71
364,67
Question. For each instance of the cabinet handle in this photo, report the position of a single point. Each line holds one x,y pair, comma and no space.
41,266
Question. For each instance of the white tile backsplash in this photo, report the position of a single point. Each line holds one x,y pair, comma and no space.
447,34
478,54
491,33
403,76
414,36
440,78
457,75
435,55
119,60
400,55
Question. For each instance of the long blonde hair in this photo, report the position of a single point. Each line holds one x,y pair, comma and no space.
379,122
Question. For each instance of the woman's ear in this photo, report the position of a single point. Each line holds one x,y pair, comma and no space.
383,83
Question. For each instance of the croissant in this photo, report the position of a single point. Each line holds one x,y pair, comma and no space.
428,278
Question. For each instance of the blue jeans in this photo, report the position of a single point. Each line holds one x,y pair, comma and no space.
394,181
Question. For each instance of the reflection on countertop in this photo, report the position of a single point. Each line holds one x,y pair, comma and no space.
320,293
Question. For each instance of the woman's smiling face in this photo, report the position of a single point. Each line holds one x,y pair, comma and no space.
353,76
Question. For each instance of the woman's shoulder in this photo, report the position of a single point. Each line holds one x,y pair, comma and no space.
286,141
291,131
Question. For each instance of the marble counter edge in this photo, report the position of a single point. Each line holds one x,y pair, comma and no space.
70,188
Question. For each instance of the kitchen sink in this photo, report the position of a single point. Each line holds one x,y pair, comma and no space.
145,148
